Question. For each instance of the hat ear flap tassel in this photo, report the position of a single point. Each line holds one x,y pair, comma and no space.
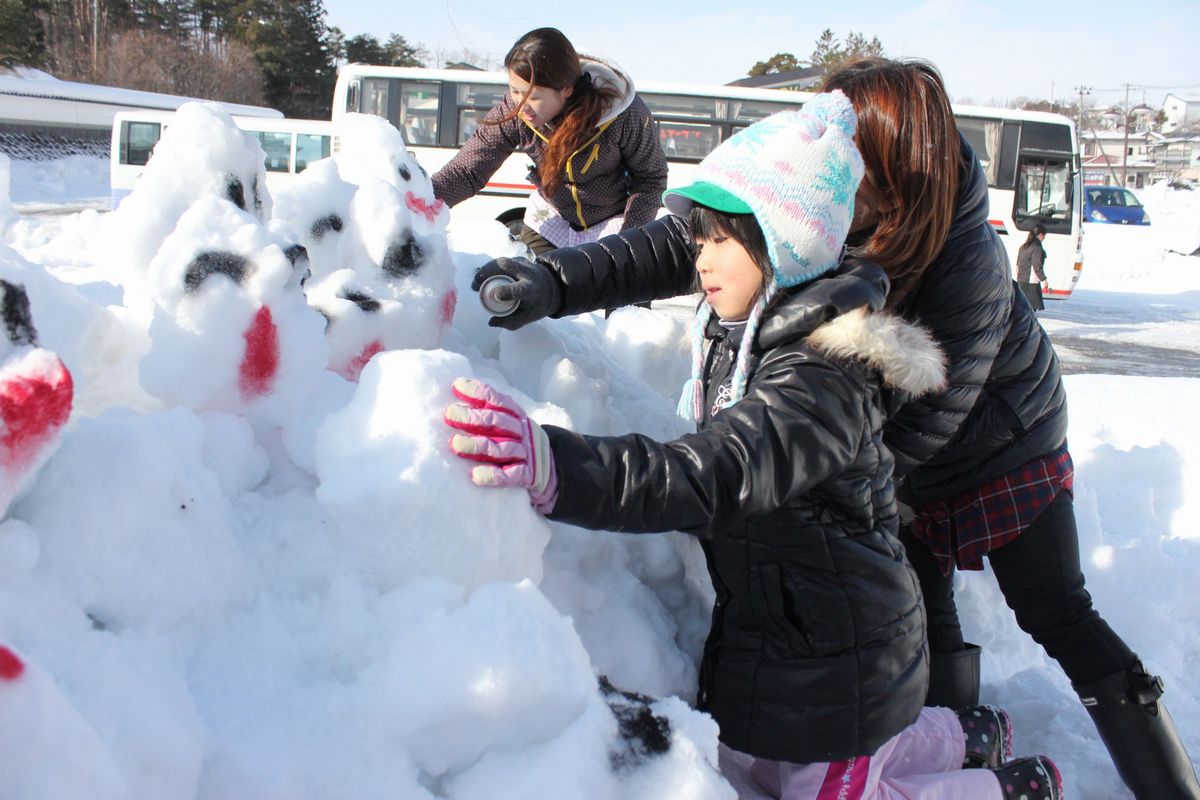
691,400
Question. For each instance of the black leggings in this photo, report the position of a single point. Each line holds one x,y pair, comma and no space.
1040,577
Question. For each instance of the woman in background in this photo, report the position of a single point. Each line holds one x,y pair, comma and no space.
598,165
1032,256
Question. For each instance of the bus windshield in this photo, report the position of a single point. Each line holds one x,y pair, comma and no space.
1043,195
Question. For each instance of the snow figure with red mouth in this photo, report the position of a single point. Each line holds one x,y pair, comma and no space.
36,392
230,330
39,719
375,236
218,289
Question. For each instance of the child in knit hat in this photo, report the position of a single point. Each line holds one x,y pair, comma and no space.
816,662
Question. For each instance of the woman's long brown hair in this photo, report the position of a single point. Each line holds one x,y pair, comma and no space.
545,57
910,145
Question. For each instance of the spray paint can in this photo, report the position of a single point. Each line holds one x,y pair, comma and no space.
494,305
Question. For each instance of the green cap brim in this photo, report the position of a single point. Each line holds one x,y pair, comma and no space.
705,194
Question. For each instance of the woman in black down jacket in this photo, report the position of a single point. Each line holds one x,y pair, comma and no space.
984,463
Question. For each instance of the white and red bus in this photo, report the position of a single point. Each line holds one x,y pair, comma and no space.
1031,159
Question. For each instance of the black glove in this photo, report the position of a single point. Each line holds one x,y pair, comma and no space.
537,290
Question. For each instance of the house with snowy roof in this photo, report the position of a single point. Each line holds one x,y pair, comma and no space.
1182,111
801,79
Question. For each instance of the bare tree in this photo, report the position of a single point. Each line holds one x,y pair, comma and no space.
157,62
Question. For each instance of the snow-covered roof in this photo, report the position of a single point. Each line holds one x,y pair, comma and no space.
37,84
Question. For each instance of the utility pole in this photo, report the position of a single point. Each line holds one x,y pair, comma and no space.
1125,147
1082,91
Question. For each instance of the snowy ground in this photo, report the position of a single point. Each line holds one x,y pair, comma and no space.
222,588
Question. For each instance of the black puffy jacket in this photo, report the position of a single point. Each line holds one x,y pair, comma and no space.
1004,404
817,647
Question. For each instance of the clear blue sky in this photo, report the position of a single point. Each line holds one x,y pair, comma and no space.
988,52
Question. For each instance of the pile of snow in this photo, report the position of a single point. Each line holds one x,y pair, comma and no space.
250,567
1146,259
67,179
7,215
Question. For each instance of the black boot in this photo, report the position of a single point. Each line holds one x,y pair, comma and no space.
954,678
1032,778
1139,735
987,733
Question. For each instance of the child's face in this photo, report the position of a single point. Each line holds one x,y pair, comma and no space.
729,277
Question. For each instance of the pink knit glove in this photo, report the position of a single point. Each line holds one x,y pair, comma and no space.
512,449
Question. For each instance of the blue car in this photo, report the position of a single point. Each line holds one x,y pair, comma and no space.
1113,204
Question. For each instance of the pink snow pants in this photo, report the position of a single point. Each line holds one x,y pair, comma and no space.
922,762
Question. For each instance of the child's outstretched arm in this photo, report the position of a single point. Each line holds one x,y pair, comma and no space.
512,450
801,423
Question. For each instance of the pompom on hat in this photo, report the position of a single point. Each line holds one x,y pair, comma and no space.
797,172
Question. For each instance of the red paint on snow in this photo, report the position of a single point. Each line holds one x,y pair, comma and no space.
449,301
260,362
419,206
352,370
11,666
33,409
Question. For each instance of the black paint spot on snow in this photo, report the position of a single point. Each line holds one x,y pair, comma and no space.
363,301
643,734
295,252
258,205
18,319
404,173
230,265
423,172
328,317
235,191
324,225
403,258
297,256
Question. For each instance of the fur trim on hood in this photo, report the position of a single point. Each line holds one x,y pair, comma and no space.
906,355
607,75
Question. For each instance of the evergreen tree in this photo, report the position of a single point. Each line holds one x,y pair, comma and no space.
402,54
827,50
292,44
829,53
364,49
22,38
780,62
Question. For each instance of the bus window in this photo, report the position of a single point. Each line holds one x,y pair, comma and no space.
689,141
678,105
1043,195
278,149
419,112
137,141
984,137
750,111
310,147
474,101
375,97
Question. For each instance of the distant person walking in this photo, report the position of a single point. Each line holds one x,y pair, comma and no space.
598,165
1032,256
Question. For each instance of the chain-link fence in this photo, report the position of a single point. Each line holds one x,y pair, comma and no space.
29,143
